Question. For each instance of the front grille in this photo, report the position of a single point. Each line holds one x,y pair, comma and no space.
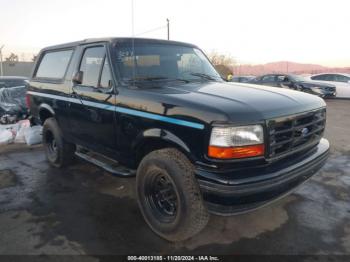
293,133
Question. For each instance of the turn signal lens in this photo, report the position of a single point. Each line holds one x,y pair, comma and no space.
236,152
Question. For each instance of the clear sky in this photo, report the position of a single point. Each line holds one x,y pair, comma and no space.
253,31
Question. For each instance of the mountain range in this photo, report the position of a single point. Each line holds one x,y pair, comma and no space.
286,67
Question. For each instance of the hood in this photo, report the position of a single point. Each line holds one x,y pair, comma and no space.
247,102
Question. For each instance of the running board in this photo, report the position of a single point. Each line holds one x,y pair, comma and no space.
106,163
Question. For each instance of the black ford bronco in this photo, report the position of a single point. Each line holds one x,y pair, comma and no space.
159,111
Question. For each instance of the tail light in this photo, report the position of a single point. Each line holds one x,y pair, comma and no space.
28,101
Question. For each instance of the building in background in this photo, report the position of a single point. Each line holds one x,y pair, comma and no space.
15,68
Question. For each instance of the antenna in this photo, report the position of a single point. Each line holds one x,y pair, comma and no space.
1,69
132,19
133,42
168,27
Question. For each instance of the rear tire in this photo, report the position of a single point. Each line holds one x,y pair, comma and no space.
59,153
169,195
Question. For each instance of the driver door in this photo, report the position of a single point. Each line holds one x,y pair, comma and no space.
92,113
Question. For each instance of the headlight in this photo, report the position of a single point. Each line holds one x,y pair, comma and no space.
237,136
317,89
299,86
236,142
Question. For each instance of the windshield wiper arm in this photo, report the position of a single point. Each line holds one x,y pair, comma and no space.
147,78
205,76
155,78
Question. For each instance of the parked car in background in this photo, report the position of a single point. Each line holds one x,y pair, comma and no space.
297,83
340,80
12,99
242,79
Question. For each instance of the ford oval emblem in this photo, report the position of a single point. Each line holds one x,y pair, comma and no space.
304,131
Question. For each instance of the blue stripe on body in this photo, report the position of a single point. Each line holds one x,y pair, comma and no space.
123,110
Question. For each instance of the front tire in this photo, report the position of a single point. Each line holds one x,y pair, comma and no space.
169,195
59,153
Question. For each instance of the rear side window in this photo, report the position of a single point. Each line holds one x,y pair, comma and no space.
320,77
329,78
54,64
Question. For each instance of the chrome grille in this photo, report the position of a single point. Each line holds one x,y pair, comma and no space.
292,133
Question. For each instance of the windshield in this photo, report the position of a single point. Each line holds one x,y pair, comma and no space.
158,62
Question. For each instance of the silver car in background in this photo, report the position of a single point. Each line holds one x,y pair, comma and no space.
340,80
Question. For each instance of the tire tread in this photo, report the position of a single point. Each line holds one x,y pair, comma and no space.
198,217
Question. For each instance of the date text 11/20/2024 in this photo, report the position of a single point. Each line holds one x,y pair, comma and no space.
173,258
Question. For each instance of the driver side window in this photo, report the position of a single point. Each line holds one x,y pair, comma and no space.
282,78
91,65
340,78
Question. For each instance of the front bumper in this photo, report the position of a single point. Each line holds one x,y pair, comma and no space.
323,92
225,194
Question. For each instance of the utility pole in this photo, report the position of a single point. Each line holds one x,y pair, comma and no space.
168,27
132,19
1,68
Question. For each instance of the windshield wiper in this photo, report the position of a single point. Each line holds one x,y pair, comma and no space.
205,76
156,78
146,78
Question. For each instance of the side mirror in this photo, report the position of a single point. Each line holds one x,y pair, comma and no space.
78,78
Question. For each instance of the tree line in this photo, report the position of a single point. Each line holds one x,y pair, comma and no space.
13,58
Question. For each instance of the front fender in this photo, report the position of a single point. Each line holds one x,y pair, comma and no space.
161,134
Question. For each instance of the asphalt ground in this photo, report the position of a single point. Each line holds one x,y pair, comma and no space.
84,210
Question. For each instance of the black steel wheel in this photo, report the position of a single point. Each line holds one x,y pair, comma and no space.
168,195
51,145
59,153
161,195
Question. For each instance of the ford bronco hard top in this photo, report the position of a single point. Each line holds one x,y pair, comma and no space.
159,111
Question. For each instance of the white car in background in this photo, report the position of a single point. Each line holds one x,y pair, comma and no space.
340,80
